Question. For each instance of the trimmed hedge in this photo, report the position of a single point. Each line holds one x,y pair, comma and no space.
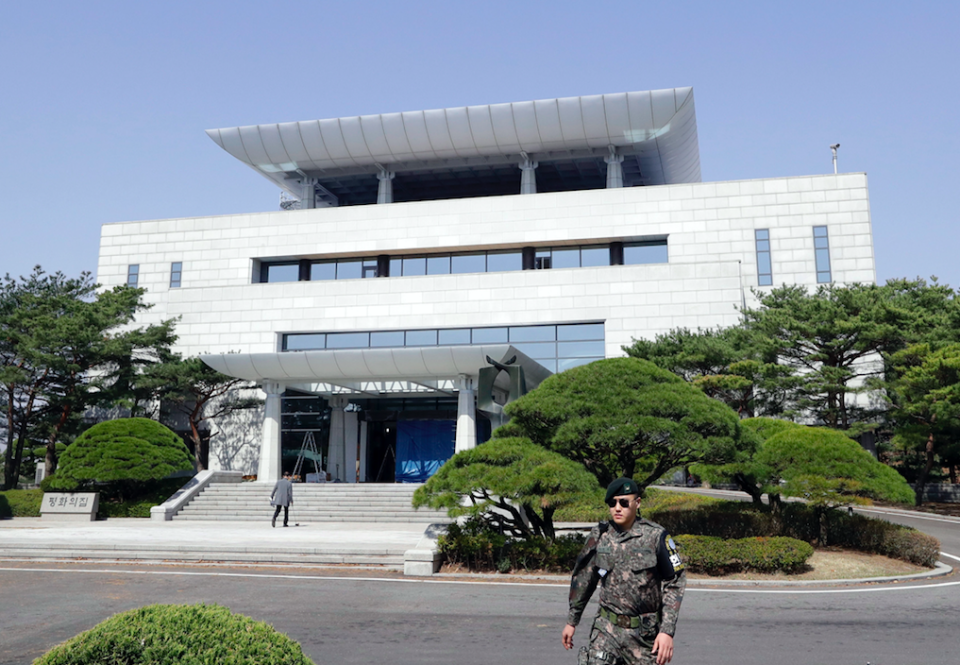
592,509
733,520
715,556
477,546
20,503
178,635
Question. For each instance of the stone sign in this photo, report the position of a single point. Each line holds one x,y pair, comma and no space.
79,506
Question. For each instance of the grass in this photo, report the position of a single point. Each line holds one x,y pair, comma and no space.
26,503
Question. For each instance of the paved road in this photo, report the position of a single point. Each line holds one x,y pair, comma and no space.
399,621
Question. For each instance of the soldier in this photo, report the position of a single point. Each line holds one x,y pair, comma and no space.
641,582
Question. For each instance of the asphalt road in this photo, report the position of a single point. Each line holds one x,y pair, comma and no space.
397,621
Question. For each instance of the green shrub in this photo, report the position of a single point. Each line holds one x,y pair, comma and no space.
20,503
735,520
715,556
124,454
592,509
178,635
478,546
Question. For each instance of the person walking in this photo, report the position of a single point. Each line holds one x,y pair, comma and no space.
641,580
282,497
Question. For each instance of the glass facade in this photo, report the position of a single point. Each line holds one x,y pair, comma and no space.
556,347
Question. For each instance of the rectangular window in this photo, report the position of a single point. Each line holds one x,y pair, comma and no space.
323,271
566,258
348,340
764,266
594,257
176,271
133,274
414,267
455,336
349,269
383,339
504,261
821,248
466,263
639,253
307,342
421,338
543,260
279,272
369,268
438,265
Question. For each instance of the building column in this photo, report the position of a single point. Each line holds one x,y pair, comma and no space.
335,455
351,427
528,175
614,168
308,194
385,188
466,416
269,470
362,477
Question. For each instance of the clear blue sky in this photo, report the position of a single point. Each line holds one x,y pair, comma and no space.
103,104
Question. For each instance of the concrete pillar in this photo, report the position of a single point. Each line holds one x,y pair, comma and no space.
269,470
614,168
362,477
528,175
466,416
335,456
351,427
308,194
385,188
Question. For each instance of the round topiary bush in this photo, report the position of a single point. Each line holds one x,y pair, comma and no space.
178,635
124,451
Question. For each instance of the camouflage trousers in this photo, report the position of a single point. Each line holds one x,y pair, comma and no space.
613,645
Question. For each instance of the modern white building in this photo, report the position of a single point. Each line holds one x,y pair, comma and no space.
413,249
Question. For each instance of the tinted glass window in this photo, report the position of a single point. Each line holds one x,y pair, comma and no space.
592,257
396,267
465,263
381,339
644,253
489,335
348,340
283,272
566,258
504,261
533,334
580,331
304,342
349,269
414,267
580,349
459,336
323,271
537,350
421,338
438,265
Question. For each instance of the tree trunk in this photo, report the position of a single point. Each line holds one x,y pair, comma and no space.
50,459
750,488
927,468
197,439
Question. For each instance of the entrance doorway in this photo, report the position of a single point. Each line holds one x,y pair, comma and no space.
381,451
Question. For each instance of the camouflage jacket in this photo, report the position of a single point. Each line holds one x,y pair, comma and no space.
639,572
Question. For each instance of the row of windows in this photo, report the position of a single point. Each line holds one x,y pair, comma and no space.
176,273
587,256
821,245
556,347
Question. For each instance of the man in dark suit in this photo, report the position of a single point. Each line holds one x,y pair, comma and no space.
282,497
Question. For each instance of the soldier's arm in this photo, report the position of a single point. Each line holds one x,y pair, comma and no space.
584,579
674,582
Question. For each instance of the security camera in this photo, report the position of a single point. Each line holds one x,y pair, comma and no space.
834,147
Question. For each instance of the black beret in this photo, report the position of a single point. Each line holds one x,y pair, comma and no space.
622,486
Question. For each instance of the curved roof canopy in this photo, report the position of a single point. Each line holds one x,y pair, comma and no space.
480,146
375,372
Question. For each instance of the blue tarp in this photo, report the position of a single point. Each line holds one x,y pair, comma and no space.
422,448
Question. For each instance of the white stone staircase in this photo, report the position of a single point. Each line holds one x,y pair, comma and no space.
312,503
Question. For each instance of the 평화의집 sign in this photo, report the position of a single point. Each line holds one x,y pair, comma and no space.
80,506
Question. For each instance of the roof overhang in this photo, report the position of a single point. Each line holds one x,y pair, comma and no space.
655,131
376,372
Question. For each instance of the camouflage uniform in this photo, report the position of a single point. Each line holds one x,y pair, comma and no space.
641,579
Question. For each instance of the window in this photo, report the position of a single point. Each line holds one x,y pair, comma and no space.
821,248
466,263
638,253
369,268
279,272
543,260
176,270
133,274
764,269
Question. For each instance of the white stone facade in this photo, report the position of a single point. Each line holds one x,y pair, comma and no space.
709,229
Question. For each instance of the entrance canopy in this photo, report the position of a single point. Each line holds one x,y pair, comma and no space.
377,372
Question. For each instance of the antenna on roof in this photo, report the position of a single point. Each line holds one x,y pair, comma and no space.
833,148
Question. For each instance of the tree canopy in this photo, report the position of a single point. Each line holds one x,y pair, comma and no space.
511,483
626,417
126,449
